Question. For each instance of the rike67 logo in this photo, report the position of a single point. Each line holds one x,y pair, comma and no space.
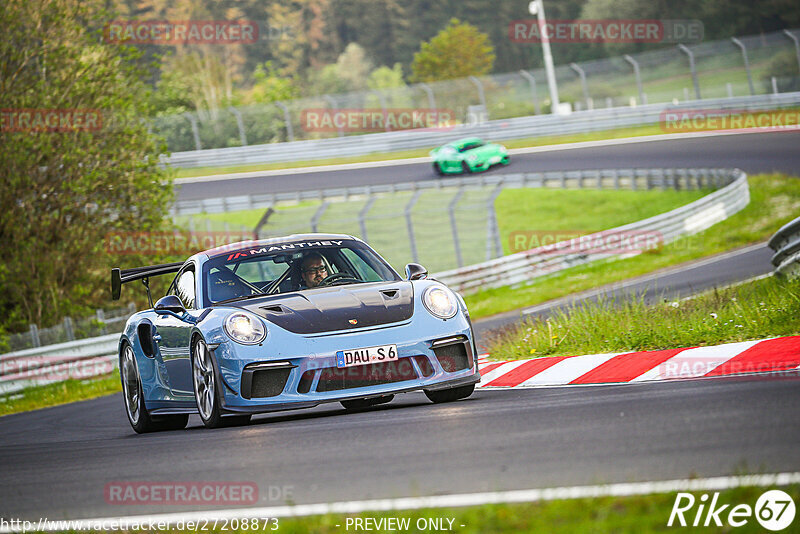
774,510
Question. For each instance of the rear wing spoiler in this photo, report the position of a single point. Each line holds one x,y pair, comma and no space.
123,276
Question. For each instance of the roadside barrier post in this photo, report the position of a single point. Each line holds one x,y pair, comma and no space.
741,46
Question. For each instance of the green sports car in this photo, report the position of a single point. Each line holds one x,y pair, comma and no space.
467,155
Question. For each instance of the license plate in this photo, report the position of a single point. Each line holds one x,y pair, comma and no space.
367,355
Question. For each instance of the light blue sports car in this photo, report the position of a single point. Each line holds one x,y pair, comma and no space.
286,323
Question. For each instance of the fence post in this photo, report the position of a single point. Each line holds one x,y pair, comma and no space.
35,341
101,318
741,46
195,130
68,329
318,215
580,72
794,39
492,231
287,118
451,208
481,94
362,215
528,76
428,91
332,103
409,225
774,85
382,102
638,75
240,124
692,68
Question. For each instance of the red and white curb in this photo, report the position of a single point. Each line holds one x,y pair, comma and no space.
777,355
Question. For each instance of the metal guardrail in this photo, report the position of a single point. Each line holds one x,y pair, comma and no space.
98,356
496,130
80,359
524,266
786,244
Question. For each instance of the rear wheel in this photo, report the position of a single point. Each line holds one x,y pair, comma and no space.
360,404
450,395
132,393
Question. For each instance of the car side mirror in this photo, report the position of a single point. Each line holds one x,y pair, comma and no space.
415,271
170,303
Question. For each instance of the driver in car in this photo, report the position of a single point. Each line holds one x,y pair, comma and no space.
313,270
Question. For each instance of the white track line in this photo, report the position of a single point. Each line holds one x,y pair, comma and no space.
461,500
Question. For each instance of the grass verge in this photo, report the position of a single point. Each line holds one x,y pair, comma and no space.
422,152
637,514
764,308
36,397
774,201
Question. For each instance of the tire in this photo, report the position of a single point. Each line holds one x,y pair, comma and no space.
205,385
132,395
450,395
361,404
465,168
438,169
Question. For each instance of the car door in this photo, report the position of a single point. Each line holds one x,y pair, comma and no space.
173,334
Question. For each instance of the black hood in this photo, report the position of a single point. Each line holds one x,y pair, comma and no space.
329,309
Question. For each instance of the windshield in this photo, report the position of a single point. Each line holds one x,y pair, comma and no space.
288,267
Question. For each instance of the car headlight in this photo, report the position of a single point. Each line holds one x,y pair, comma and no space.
245,328
440,301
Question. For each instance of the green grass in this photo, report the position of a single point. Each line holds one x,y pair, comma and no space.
518,210
755,310
548,213
774,201
36,397
637,514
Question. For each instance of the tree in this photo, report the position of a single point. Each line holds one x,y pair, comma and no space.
386,78
66,186
353,67
457,51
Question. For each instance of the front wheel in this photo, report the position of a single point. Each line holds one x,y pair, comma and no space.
204,379
138,416
465,168
437,168
450,395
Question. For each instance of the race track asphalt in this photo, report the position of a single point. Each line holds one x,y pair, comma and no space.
761,152
57,461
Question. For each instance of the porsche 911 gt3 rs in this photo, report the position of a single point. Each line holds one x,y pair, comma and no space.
285,323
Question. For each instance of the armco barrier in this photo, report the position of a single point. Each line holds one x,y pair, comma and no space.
80,359
497,130
786,244
523,266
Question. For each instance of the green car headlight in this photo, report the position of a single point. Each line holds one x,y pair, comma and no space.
245,328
